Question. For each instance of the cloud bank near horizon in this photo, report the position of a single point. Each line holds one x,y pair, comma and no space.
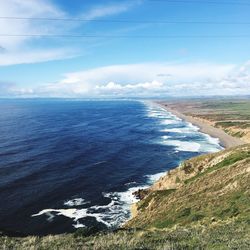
144,80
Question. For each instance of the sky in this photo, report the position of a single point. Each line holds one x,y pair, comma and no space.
125,48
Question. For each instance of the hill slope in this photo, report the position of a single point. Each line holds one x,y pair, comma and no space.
206,189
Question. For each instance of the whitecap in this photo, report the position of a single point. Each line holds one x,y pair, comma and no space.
75,202
184,145
210,144
70,212
212,140
176,118
173,130
155,177
130,183
77,214
78,225
127,197
165,137
157,114
168,122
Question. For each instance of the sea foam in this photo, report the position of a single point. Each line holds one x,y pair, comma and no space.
113,214
75,202
184,145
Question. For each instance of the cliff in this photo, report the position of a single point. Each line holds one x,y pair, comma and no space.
203,190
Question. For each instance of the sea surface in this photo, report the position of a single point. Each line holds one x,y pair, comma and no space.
67,164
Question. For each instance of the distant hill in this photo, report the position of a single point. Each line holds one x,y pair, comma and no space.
230,115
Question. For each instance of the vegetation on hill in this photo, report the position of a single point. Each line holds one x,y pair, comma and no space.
230,235
206,189
231,116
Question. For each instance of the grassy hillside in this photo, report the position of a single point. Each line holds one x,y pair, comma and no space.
204,190
230,235
202,204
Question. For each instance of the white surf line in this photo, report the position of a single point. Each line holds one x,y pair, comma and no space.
210,139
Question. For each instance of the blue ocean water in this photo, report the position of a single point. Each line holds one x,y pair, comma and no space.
66,164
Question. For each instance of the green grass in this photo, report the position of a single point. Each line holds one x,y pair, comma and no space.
238,134
228,124
231,159
184,216
156,196
237,204
241,107
160,224
219,193
231,235
226,111
177,180
184,212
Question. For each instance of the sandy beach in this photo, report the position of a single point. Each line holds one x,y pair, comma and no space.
226,140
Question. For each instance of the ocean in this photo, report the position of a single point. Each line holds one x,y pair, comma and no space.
67,164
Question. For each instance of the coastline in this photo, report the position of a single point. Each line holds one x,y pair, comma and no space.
226,140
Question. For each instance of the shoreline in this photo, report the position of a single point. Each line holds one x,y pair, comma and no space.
226,140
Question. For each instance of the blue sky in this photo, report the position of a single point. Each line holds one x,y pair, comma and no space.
108,66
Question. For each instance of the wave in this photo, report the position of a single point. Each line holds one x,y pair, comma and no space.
155,177
173,130
130,183
203,143
168,122
183,145
75,202
157,114
112,215
212,140
76,214
165,137
188,129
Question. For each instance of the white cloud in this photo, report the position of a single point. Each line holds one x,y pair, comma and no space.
129,89
27,8
148,72
107,10
35,56
25,49
151,79
18,50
